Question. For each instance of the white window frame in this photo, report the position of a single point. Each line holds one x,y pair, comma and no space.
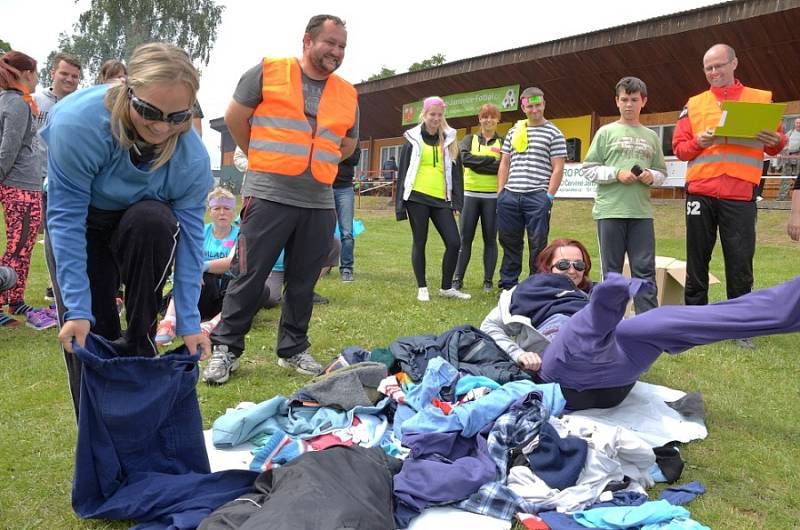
363,164
659,130
388,151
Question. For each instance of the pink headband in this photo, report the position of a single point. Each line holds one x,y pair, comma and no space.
433,100
222,201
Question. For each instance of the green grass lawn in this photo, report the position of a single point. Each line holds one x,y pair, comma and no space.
750,462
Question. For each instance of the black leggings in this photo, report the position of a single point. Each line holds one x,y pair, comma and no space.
486,210
595,398
445,223
135,248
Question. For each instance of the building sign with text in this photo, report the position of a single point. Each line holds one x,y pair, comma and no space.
468,103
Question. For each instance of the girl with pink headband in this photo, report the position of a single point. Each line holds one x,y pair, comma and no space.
430,187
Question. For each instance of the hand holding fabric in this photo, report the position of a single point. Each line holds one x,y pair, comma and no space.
198,342
76,330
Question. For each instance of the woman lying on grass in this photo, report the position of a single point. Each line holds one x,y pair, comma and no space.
550,325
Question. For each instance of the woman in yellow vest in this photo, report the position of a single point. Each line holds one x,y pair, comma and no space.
480,155
430,186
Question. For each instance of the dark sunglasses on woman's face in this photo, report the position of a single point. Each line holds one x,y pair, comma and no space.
563,265
151,113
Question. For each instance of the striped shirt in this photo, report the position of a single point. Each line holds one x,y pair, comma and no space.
531,170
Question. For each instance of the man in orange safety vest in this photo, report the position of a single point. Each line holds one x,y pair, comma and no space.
721,179
296,120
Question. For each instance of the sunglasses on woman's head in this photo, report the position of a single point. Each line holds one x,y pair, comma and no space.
563,265
151,113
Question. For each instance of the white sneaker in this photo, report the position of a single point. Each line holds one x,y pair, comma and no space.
422,294
454,293
302,363
220,365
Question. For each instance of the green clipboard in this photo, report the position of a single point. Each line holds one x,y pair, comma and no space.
741,119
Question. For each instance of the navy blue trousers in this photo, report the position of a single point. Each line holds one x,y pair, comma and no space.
518,213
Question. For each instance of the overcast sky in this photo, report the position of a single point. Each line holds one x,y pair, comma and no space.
376,37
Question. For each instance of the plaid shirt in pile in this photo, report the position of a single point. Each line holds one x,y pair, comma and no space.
522,421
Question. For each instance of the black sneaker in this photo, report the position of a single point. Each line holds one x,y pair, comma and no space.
346,275
319,299
488,287
49,295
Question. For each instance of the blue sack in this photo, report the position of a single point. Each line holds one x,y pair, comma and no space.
140,441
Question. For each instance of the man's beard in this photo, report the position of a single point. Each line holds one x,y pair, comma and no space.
319,64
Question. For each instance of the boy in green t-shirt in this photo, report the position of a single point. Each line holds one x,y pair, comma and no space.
625,159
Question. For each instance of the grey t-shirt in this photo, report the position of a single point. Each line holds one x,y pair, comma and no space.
302,190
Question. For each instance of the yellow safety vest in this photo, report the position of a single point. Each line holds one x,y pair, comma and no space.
430,179
479,182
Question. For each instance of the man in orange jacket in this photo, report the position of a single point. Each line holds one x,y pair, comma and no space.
296,120
721,180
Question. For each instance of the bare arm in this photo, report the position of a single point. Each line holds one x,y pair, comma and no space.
348,146
220,265
237,118
556,175
240,159
502,173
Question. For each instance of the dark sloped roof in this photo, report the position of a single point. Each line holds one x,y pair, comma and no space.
578,73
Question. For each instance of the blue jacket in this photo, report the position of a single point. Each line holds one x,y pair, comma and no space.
87,167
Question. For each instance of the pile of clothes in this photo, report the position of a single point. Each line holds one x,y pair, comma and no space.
376,442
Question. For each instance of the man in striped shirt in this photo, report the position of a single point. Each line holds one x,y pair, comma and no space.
531,169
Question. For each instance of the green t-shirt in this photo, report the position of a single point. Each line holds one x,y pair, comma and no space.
623,146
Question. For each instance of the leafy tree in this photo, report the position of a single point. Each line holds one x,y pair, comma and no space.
4,46
436,59
111,29
385,72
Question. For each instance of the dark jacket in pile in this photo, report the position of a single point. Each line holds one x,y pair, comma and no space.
335,489
469,350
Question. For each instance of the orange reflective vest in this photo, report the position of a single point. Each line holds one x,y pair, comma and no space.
738,157
281,139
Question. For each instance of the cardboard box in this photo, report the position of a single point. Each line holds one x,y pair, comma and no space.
670,280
